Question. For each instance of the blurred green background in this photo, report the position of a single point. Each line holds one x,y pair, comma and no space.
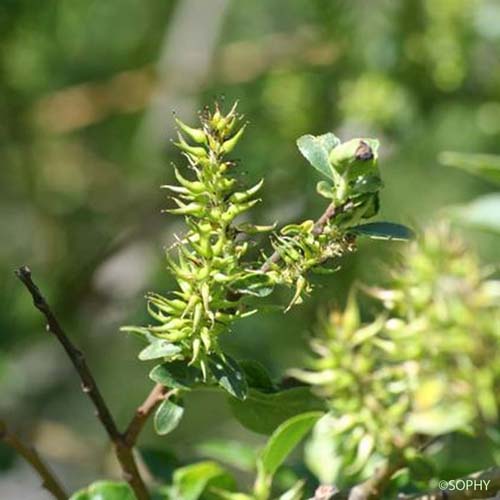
87,93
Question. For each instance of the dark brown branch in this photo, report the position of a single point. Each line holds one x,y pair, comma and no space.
49,480
157,394
123,452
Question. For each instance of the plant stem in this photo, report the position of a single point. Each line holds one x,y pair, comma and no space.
157,394
319,226
123,451
49,480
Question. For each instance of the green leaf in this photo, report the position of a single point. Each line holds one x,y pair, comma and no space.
256,284
367,184
159,349
234,453
192,481
105,490
257,376
326,189
176,375
316,149
161,463
295,492
167,417
485,166
228,375
264,412
441,419
384,231
481,213
282,442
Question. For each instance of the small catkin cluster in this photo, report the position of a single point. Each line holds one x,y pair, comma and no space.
210,263
426,366
207,261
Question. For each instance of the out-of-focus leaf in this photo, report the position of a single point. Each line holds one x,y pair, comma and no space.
176,375
482,213
294,493
192,481
159,349
161,463
485,166
230,452
257,376
105,490
264,412
316,151
440,420
320,451
282,442
229,375
384,231
167,417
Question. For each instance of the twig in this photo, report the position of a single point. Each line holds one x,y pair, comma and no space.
319,226
49,480
157,394
123,452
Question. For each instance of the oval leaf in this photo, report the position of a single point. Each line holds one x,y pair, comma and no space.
282,442
167,417
228,375
159,349
264,412
284,439
191,481
384,231
105,490
176,375
316,150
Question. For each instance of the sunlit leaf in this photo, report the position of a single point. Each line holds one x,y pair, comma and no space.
167,417
190,482
282,442
228,375
159,349
105,490
316,150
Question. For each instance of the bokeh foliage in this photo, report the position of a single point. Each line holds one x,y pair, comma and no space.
81,163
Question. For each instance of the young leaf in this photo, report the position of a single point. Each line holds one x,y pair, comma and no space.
282,442
264,412
176,375
104,490
167,417
486,166
159,349
228,375
316,151
384,231
191,481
